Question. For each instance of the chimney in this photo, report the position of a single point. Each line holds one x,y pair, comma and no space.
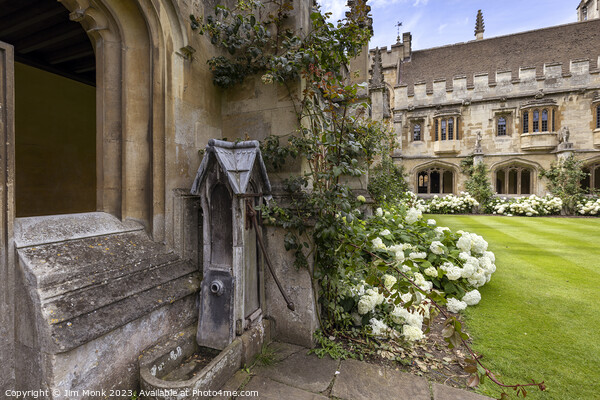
479,26
406,41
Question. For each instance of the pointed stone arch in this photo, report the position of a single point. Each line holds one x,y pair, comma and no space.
515,176
435,177
135,44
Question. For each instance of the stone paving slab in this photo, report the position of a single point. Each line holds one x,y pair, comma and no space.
233,384
442,392
272,390
281,350
307,372
362,381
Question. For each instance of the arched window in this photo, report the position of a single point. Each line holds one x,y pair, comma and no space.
536,121
545,121
435,129
598,116
435,180
526,122
451,129
416,132
443,129
591,182
514,179
501,126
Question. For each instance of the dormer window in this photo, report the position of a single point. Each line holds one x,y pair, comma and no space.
584,14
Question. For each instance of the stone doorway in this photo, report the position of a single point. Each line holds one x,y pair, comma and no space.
55,108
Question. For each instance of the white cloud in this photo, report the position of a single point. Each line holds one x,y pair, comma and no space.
420,2
337,8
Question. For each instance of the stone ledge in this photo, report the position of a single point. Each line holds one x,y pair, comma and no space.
32,231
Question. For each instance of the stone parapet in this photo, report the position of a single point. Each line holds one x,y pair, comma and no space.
528,82
542,141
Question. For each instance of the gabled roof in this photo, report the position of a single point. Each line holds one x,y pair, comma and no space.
237,160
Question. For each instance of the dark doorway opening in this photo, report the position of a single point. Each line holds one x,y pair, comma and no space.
55,108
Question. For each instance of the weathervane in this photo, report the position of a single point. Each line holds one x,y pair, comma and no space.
398,25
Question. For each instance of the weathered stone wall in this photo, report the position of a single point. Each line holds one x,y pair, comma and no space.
296,326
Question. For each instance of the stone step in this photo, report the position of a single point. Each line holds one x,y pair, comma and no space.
88,259
86,327
114,288
89,274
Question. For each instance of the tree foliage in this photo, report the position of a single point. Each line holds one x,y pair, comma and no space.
478,184
564,181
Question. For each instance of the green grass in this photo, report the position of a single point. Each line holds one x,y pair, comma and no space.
539,317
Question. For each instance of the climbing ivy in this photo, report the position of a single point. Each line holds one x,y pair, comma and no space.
564,181
478,182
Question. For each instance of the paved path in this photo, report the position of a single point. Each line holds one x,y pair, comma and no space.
298,376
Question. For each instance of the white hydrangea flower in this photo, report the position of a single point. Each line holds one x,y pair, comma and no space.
472,298
436,247
366,304
385,232
412,333
439,231
452,271
388,281
412,215
469,268
478,278
400,314
431,271
420,281
378,244
455,305
379,212
478,244
379,328
431,222
490,255
398,251
464,243
379,298
420,255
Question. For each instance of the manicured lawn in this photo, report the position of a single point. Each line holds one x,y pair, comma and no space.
539,317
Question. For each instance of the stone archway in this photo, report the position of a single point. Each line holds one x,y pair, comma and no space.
133,59
134,43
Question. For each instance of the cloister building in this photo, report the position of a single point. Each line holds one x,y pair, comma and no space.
518,102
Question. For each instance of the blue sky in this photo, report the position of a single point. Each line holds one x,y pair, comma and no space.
440,22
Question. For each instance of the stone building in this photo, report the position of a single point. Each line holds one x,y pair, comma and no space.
517,102
104,108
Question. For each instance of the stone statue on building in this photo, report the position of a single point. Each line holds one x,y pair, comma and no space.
563,135
563,139
478,149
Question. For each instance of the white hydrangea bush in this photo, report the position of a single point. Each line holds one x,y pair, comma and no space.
589,206
451,204
399,244
530,206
